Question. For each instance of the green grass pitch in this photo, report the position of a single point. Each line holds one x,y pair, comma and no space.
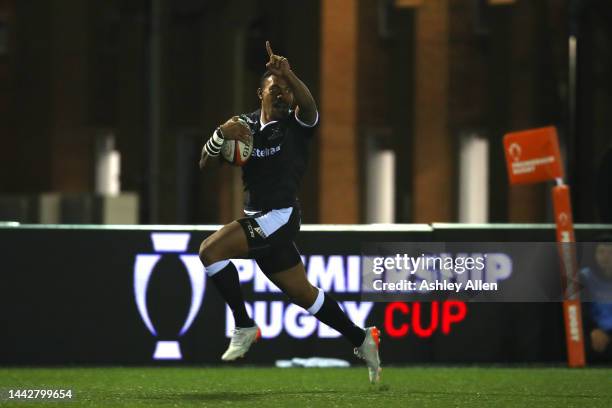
272,387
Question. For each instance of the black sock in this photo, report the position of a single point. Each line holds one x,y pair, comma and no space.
228,284
331,314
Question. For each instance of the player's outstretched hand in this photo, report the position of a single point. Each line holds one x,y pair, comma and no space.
277,64
234,129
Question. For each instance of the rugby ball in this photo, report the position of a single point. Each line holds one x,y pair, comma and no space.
237,152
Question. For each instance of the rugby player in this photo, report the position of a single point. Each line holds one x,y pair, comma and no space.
282,129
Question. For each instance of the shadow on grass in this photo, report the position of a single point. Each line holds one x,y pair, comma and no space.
233,396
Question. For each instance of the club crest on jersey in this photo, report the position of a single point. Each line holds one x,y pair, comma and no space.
267,152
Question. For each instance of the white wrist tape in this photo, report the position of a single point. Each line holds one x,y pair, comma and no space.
218,139
213,145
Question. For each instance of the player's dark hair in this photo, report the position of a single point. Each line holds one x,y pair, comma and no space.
265,75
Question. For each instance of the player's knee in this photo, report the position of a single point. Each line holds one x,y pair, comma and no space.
207,253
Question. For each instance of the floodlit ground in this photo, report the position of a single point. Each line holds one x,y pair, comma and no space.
266,387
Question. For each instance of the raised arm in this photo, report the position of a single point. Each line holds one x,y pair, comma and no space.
306,109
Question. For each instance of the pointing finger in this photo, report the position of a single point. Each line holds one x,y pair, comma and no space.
269,49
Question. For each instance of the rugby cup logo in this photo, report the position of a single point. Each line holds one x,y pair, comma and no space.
165,242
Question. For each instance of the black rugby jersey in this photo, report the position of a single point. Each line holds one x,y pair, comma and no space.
273,174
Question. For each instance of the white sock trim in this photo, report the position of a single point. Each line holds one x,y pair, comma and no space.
316,306
216,267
